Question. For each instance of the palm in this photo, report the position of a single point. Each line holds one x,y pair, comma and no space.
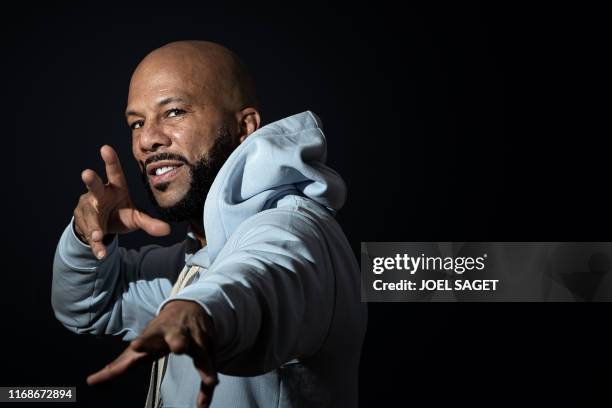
108,208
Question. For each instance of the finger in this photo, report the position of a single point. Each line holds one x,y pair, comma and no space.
98,249
114,171
203,363
209,380
93,183
150,225
205,396
135,219
202,350
162,342
152,340
177,342
202,359
120,365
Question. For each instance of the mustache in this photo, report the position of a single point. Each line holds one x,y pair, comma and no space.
163,156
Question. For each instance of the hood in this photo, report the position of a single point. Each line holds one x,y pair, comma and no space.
285,157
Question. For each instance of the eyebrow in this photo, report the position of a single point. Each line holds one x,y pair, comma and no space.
163,102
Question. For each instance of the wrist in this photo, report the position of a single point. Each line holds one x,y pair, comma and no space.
176,306
78,233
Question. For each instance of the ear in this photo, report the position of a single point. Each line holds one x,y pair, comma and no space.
248,120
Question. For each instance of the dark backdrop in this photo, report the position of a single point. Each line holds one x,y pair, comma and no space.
447,122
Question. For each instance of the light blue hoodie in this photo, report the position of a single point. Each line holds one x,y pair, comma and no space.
277,277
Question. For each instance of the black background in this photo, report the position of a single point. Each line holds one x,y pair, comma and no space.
448,122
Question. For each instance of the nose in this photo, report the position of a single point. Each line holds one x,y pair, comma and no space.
152,137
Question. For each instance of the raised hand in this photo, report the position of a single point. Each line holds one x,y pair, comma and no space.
108,208
181,327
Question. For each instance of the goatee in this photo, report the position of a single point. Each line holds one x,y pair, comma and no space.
203,173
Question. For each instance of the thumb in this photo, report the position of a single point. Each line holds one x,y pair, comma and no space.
136,219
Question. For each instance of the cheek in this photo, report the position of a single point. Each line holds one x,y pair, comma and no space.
191,142
182,134
136,154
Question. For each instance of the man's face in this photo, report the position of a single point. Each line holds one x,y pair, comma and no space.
179,132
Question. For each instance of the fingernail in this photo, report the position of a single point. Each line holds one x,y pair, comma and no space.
96,235
100,254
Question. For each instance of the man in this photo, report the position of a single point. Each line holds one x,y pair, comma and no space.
266,308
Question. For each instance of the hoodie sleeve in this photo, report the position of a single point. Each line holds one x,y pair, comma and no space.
117,295
270,293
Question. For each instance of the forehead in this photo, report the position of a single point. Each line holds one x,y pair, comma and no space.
154,82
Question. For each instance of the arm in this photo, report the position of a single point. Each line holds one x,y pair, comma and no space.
117,295
270,293
268,298
108,290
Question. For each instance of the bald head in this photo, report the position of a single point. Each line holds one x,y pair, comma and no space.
205,68
190,104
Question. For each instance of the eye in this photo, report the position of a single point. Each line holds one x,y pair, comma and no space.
136,125
174,112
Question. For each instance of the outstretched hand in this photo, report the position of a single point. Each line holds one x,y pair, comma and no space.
182,327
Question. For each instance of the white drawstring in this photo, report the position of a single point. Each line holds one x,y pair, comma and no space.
159,366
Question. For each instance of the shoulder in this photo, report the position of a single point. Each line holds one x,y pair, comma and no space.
292,213
295,220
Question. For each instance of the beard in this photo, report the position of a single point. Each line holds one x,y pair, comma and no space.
202,174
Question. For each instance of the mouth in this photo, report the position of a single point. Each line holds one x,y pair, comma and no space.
163,171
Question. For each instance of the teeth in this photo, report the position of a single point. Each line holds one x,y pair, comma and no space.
163,170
